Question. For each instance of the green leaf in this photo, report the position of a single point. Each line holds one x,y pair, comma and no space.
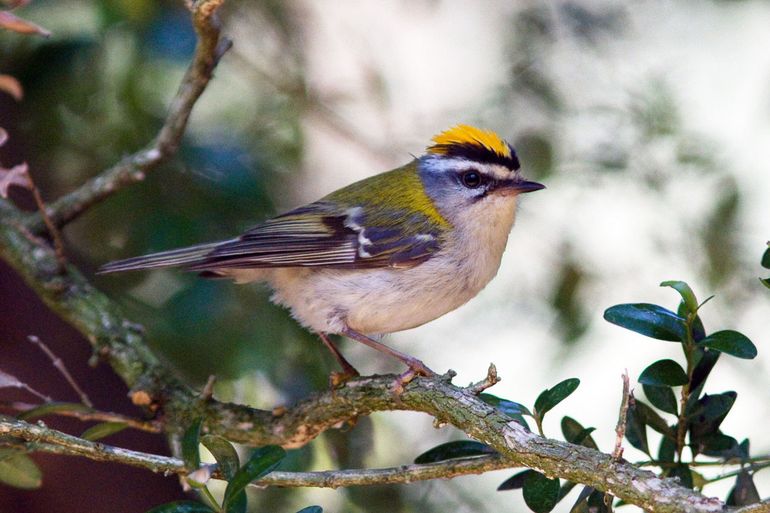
766,258
190,439
651,418
636,432
102,430
554,395
688,296
18,470
512,409
713,407
576,434
311,509
663,373
50,409
717,445
649,320
765,282
540,493
504,405
662,398
581,503
182,507
730,342
452,450
225,454
667,450
515,482
744,492
261,463
704,363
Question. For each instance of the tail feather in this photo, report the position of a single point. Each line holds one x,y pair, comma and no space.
173,258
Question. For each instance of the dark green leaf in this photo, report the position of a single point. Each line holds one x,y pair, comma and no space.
504,405
667,449
581,503
688,296
190,439
716,444
554,395
662,398
512,409
649,320
697,330
766,259
238,503
730,342
452,450
651,418
663,373
540,493
682,472
18,470
596,502
225,454
713,407
182,507
102,430
744,448
575,433
765,282
515,482
311,509
50,409
261,462
704,363
744,492
636,432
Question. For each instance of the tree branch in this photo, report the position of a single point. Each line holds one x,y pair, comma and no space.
209,49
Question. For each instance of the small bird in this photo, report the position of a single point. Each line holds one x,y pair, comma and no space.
385,254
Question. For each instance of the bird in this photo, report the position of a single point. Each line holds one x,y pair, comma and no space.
384,254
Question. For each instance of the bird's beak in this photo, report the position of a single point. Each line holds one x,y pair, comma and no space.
519,187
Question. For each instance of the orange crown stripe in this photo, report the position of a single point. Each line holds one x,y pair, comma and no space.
461,135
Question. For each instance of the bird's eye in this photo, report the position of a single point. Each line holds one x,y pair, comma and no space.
471,179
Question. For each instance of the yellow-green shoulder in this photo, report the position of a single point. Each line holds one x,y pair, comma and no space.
398,189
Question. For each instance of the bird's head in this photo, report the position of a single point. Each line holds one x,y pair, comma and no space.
469,171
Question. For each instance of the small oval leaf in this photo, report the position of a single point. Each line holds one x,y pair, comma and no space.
225,454
554,395
52,409
649,320
18,470
575,433
766,258
181,507
311,509
663,373
540,493
504,405
514,482
452,450
261,462
730,342
190,439
688,296
662,398
102,430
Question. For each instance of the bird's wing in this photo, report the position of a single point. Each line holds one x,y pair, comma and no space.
322,235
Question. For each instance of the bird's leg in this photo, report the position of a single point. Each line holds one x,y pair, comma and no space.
348,371
416,367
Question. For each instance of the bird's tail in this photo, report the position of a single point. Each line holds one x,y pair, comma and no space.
174,258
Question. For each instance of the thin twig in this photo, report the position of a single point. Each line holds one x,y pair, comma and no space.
620,428
132,169
489,381
208,390
59,364
53,230
150,426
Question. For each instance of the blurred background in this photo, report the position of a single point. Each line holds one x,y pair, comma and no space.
648,121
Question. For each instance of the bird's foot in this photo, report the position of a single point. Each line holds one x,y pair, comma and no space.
416,368
338,379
